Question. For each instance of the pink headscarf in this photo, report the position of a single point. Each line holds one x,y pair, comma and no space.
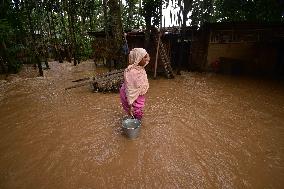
135,77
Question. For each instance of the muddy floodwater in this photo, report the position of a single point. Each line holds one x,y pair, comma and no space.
199,131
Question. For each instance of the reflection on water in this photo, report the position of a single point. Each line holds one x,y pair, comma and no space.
199,131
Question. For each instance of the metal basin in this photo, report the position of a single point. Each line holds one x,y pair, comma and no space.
131,127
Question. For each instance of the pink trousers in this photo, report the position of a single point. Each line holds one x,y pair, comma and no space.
138,104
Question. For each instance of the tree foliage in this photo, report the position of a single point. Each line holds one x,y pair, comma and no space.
248,10
201,11
32,30
131,15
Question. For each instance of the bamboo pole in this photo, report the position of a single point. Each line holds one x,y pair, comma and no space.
157,54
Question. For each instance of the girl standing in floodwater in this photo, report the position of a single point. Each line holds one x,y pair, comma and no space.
136,85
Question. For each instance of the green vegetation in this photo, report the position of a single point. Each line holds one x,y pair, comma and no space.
32,31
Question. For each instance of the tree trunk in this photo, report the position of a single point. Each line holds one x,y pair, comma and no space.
105,18
20,31
57,47
3,57
161,14
131,6
138,23
66,49
35,53
71,14
208,6
116,28
44,51
187,7
148,32
91,22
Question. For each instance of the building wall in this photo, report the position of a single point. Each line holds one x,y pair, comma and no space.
254,57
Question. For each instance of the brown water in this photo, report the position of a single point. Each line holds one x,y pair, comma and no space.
199,131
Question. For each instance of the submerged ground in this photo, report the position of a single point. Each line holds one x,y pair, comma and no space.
199,131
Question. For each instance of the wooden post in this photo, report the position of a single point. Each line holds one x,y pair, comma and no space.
157,54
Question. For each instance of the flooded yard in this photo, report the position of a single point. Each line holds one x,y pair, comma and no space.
199,131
